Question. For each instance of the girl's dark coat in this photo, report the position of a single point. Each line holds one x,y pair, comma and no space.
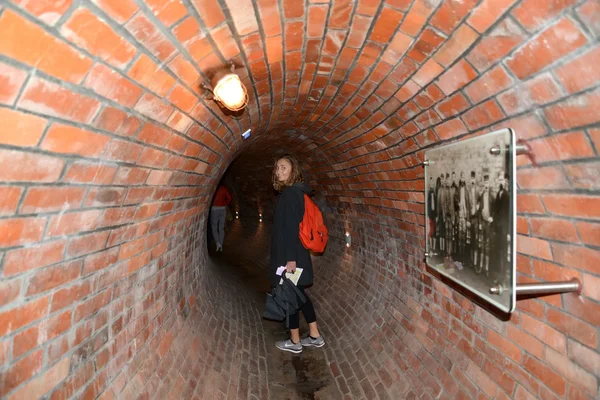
285,240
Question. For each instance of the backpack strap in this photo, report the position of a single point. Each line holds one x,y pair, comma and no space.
311,194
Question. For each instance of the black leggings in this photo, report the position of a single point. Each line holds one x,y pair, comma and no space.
307,309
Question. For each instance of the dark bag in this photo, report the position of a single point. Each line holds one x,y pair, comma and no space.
284,300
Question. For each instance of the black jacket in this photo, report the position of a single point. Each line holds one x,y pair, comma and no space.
285,240
501,212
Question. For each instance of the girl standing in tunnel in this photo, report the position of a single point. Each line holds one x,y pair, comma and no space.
287,249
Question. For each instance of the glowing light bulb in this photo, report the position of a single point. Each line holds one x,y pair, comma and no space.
230,91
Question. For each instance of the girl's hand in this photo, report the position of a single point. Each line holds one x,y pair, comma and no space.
290,266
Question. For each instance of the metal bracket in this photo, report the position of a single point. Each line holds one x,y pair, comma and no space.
521,147
208,93
495,150
543,288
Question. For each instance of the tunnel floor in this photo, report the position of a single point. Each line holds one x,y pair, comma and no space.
289,376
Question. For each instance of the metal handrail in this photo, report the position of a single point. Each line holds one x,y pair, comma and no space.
542,288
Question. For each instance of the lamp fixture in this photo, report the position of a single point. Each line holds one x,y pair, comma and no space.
260,217
237,215
227,89
348,239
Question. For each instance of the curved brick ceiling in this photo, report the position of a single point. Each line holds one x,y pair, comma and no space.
367,82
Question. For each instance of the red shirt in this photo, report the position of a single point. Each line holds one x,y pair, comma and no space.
222,197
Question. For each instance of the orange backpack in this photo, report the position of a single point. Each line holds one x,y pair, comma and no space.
313,232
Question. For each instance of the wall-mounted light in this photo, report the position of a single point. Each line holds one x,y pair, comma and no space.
227,89
260,217
246,134
237,215
348,239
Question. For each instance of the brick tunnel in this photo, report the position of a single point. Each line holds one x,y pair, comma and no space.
111,151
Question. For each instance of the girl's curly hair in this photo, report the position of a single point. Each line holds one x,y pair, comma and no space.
295,174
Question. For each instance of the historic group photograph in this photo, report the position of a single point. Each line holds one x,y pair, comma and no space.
469,213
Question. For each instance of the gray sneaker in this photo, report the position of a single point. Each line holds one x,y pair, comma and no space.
310,342
288,345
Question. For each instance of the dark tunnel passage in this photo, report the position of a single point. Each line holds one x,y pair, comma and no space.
111,148
349,302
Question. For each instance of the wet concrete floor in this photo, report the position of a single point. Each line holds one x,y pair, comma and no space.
290,376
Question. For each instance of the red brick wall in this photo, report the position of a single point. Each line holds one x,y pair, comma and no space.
109,155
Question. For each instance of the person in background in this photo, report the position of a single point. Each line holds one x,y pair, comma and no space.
218,213
463,217
288,251
440,231
485,206
455,219
431,213
473,219
501,227
449,215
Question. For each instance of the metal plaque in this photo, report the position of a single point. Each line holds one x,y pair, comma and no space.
470,219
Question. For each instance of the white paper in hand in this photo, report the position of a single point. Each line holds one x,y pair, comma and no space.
295,277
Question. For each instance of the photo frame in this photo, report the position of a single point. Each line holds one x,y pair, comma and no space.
470,215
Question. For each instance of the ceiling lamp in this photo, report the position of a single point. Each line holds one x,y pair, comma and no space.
228,89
